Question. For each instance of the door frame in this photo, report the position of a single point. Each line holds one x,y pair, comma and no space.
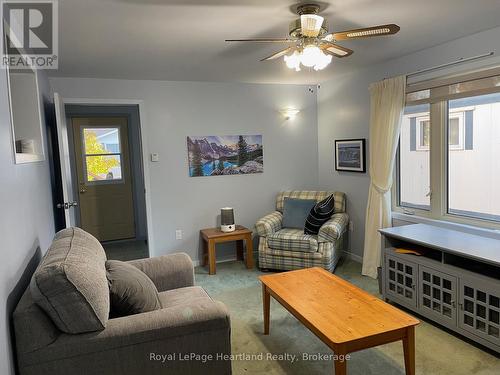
144,147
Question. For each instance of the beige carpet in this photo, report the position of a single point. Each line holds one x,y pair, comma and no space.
437,351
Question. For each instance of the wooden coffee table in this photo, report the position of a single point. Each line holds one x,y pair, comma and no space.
343,316
213,236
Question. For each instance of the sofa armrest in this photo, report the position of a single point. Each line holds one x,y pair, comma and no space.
333,228
168,271
269,224
182,321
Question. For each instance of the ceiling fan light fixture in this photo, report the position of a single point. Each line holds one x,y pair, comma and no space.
310,56
323,62
310,43
293,61
310,24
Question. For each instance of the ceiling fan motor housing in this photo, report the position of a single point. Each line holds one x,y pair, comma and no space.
307,9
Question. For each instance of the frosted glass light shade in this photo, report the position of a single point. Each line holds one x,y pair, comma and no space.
310,24
311,56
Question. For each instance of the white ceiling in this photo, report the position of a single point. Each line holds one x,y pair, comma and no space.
183,40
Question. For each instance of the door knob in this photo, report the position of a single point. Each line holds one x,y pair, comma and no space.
67,205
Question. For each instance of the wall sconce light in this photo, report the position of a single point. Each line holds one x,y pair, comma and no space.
289,113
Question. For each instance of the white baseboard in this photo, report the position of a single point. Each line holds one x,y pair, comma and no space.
353,256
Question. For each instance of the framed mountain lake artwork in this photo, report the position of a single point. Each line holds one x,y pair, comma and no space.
350,155
225,155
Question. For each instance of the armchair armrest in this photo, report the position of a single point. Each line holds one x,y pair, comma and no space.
142,331
269,224
168,271
333,228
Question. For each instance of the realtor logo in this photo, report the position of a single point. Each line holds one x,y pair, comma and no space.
30,34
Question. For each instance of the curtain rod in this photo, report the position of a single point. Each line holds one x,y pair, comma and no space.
451,63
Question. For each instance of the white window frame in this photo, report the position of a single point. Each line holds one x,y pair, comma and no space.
439,172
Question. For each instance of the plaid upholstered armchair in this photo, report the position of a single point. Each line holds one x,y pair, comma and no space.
288,248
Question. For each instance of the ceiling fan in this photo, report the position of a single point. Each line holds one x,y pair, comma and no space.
310,43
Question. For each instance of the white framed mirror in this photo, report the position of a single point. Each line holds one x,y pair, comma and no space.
25,115
25,105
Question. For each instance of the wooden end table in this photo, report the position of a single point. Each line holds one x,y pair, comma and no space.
343,316
213,236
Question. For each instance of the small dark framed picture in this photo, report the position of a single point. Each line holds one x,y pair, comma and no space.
350,155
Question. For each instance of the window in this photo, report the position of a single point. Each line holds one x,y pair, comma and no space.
448,161
102,154
456,130
424,133
474,172
414,158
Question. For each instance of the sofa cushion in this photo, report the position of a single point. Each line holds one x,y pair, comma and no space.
295,212
292,240
319,215
70,283
33,327
183,296
131,290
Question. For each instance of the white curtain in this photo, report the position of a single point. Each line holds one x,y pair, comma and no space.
387,106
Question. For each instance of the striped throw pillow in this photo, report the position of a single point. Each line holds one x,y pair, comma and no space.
319,214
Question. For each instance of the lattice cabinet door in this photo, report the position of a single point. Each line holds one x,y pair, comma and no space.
401,280
480,309
437,295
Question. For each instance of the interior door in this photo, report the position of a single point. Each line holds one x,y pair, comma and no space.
104,177
69,201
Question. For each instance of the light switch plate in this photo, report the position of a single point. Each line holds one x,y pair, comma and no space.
178,234
155,157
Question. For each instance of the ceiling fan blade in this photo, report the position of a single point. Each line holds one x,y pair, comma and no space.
366,32
264,40
310,25
279,54
335,49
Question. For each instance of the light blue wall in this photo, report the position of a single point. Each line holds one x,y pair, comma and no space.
344,112
26,220
175,110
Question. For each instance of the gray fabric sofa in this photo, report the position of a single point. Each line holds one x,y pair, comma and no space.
189,335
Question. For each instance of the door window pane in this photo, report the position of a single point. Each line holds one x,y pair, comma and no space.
103,167
102,155
474,156
414,157
101,140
